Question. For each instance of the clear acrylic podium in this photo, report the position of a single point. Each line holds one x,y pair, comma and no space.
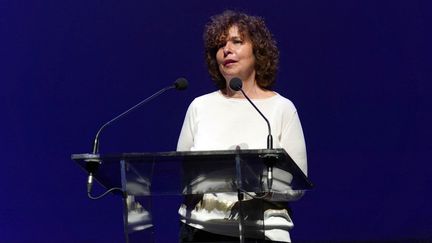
187,174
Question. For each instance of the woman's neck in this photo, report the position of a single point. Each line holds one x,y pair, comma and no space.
252,90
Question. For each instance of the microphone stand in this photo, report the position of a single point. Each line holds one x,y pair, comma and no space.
94,162
269,158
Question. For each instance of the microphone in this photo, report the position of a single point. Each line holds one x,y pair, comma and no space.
94,162
181,84
236,84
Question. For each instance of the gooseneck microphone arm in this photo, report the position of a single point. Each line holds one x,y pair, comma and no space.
96,140
269,136
236,85
93,163
179,84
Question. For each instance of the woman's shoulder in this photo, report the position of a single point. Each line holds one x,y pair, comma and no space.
208,96
282,101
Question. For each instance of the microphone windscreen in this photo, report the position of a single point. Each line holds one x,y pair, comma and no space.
235,84
181,84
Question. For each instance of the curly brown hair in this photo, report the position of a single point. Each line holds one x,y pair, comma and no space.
264,46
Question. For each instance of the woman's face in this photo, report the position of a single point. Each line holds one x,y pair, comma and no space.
236,58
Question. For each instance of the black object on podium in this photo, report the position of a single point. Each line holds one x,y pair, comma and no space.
145,175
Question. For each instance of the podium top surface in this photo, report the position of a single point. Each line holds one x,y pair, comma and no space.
184,168
184,154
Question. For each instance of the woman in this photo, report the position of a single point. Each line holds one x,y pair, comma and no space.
239,45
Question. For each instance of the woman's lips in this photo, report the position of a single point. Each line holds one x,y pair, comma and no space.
229,62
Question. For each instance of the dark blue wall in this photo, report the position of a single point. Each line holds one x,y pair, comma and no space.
359,73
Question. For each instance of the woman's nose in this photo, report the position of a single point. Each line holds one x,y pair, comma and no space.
227,49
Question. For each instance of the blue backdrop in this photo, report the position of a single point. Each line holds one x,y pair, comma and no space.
359,73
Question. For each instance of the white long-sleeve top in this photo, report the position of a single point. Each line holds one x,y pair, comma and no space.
215,122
